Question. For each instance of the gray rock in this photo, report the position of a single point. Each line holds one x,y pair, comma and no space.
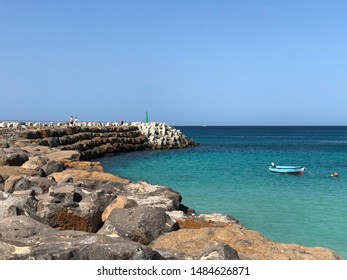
35,163
13,157
71,207
52,167
13,205
25,184
141,224
73,245
20,226
11,182
219,251
43,183
153,195
63,194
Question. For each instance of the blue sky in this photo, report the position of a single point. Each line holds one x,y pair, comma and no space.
236,62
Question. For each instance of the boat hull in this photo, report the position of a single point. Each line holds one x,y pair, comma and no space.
287,169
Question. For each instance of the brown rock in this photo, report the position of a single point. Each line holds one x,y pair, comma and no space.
207,220
63,155
11,182
249,244
84,165
38,150
79,175
68,220
7,171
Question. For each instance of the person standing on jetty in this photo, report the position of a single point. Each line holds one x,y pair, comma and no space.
71,120
75,121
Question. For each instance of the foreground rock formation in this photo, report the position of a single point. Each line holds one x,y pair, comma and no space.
56,205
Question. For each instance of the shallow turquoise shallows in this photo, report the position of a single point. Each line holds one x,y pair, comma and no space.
228,173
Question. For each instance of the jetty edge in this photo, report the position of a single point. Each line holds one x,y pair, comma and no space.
57,204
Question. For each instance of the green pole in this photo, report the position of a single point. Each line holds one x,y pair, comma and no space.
146,117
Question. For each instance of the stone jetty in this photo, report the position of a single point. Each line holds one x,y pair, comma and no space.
57,204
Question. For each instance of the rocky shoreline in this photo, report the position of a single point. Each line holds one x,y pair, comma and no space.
57,204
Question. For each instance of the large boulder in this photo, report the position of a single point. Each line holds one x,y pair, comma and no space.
145,193
13,157
141,224
68,206
11,182
52,167
44,183
7,171
64,155
35,163
79,175
119,203
22,226
83,165
249,244
74,245
18,203
20,183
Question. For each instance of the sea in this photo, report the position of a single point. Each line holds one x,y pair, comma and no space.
228,174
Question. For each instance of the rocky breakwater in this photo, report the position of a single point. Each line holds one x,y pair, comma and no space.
163,136
54,205
93,140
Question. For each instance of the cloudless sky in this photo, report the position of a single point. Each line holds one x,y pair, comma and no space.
186,62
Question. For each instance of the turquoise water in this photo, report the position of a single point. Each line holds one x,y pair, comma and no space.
228,174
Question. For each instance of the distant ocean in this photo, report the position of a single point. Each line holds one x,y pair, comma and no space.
228,174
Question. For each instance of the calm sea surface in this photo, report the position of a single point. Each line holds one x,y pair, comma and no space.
228,174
